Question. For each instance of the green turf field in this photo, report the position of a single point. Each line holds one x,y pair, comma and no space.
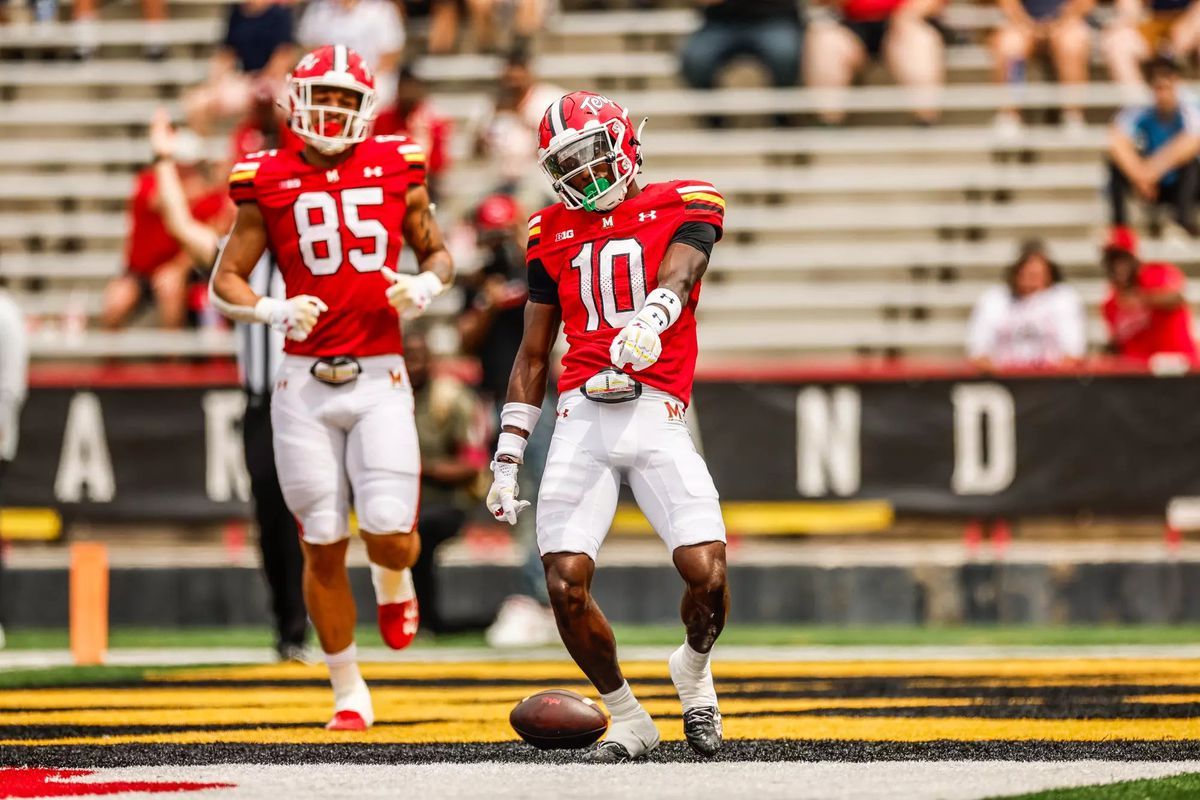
1179,787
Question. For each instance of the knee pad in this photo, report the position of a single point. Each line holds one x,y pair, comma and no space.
322,527
382,514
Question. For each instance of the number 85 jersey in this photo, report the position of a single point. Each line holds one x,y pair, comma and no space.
332,231
599,267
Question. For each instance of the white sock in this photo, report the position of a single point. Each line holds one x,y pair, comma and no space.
343,670
694,660
392,585
691,672
621,704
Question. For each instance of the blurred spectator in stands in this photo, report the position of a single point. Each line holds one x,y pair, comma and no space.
1143,29
14,383
1033,320
259,354
496,25
87,35
416,117
1145,310
155,264
1153,149
258,46
490,326
372,28
451,430
439,18
842,37
1058,27
767,30
506,133
265,126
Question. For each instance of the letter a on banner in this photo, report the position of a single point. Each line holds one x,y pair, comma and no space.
85,463
827,441
985,438
226,476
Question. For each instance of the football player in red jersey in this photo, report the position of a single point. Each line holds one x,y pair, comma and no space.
618,265
332,215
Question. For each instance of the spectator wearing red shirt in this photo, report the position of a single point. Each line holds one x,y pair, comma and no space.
155,265
1145,310
413,115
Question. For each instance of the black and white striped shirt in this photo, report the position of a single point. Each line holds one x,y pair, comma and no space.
259,347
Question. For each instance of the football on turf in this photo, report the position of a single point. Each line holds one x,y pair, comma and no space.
557,719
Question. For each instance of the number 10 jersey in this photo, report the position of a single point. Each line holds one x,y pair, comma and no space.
332,231
604,265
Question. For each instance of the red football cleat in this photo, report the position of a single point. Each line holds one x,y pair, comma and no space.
347,720
398,623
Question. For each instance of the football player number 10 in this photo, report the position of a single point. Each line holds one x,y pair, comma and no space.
327,259
597,269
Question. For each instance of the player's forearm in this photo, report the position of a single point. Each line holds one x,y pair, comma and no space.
196,239
232,296
683,267
1125,155
439,263
527,384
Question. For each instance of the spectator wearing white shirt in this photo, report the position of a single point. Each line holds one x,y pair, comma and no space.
1033,320
372,28
14,380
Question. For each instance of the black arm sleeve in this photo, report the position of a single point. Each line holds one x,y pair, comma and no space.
542,288
700,235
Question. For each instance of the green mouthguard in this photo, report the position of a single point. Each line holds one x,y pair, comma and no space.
594,190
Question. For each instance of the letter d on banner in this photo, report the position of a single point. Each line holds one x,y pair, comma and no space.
985,438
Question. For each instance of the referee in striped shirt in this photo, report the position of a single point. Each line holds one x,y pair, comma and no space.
260,349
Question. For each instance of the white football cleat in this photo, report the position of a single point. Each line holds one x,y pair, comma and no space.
352,711
522,622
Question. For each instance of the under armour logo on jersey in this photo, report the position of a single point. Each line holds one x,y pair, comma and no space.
332,176
645,215
372,172
608,223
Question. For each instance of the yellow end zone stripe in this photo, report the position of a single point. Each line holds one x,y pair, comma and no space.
30,524
782,518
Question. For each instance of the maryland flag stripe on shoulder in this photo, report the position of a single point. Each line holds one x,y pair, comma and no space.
535,229
244,171
702,197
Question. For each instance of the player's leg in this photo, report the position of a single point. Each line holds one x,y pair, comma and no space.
309,457
383,462
575,507
672,485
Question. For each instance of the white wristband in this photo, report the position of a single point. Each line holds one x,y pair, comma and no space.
520,415
267,308
655,315
434,283
511,444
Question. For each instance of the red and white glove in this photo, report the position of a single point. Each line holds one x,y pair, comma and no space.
411,294
294,318
502,497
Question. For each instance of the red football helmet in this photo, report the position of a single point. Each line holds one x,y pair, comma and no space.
579,132
329,128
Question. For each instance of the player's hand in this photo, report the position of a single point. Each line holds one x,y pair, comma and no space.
295,317
502,497
637,344
162,134
411,294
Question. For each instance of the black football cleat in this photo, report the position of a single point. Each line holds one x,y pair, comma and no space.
702,727
607,753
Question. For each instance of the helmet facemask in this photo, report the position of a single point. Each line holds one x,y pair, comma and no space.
571,165
330,128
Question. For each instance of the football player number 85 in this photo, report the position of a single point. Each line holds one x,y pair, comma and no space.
321,241
598,269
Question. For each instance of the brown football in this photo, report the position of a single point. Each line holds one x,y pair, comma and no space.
557,719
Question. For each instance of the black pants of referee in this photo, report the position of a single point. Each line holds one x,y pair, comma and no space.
279,539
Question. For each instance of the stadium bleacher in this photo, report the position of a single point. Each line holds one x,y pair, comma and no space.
879,236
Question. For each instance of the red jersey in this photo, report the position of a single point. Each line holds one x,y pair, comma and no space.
605,264
1138,331
332,231
150,245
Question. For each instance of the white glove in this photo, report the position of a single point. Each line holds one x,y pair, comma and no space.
294,317
411,294
636,344
502,497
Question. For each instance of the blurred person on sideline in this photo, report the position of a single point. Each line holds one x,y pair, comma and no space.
14,385
264,127
1145,310
844,34
1153,148
86,34
1060,28
155,264
1033,320
415,116
768,31
1143,29
259,353
490,326
258,46
372,28
506,132
451,429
